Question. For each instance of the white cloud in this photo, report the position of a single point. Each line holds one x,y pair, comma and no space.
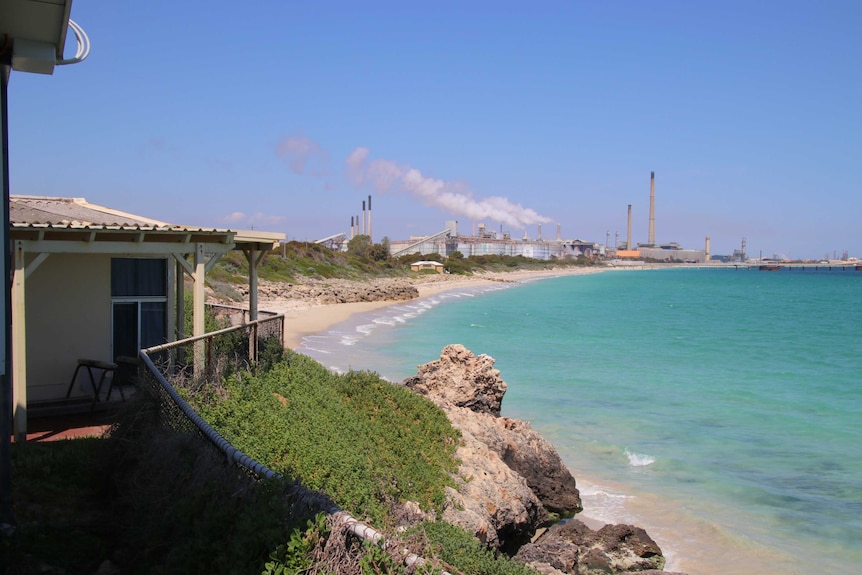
300,152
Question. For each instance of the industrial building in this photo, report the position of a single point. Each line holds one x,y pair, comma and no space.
488,242
662,252
484,241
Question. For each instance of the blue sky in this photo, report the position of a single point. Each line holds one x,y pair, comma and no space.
285,115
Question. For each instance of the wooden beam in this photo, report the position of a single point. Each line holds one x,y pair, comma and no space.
251,257
19,345
184,263
214,260
199,324
199,290
117,248
181,299
37,261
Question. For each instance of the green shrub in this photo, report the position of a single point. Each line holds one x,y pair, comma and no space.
457,548
360,439
295,556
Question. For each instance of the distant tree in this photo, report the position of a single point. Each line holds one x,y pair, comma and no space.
359,246
456,255
379,252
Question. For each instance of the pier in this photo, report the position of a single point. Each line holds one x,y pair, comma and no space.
802,267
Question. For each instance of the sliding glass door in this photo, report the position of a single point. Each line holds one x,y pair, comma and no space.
138,305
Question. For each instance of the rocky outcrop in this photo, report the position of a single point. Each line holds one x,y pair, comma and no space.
492,501
461,379
572,547
510,477
332,291
527,453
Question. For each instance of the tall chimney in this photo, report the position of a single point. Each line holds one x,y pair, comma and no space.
369,218
559,237
629,230
706,258
364,228
352,229
651,240
540,233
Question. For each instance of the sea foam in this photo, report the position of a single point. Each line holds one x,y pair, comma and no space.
639,459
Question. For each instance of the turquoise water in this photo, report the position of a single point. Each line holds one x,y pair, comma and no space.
721,409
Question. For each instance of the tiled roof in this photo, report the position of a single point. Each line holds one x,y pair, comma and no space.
46,212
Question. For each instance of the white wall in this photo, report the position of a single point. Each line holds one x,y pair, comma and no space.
68,299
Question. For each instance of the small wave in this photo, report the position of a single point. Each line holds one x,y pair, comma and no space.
347,340
314,349
366,328
602,493
639,459
476,325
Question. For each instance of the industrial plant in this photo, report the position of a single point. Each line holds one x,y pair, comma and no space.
483,240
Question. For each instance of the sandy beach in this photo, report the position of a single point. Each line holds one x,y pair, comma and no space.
304,317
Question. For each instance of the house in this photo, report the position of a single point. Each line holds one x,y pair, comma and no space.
427,265
94,283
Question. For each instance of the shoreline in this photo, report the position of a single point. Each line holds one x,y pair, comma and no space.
304,318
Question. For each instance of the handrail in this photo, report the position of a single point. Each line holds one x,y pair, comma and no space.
211,334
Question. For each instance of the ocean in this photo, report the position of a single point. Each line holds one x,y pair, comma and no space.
720,409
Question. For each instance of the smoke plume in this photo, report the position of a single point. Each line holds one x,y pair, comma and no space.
453,197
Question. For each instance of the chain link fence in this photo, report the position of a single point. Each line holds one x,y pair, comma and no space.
196,362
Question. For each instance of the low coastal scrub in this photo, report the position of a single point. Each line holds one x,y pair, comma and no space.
364,442
294,261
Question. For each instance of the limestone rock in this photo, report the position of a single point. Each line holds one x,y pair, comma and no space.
492,501
610,550
509,475
529,454
461,379
471,392
332,291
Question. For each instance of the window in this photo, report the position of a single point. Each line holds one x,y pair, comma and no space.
139,289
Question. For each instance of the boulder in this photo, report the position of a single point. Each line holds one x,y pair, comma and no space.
470,391
509,475
461,379
572,547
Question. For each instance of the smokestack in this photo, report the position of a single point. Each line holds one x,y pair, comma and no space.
629,230
369,218
357,224
651,240
364,219
559,237
352,229
706,259
539,237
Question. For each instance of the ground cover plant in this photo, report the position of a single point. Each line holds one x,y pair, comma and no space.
363,441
